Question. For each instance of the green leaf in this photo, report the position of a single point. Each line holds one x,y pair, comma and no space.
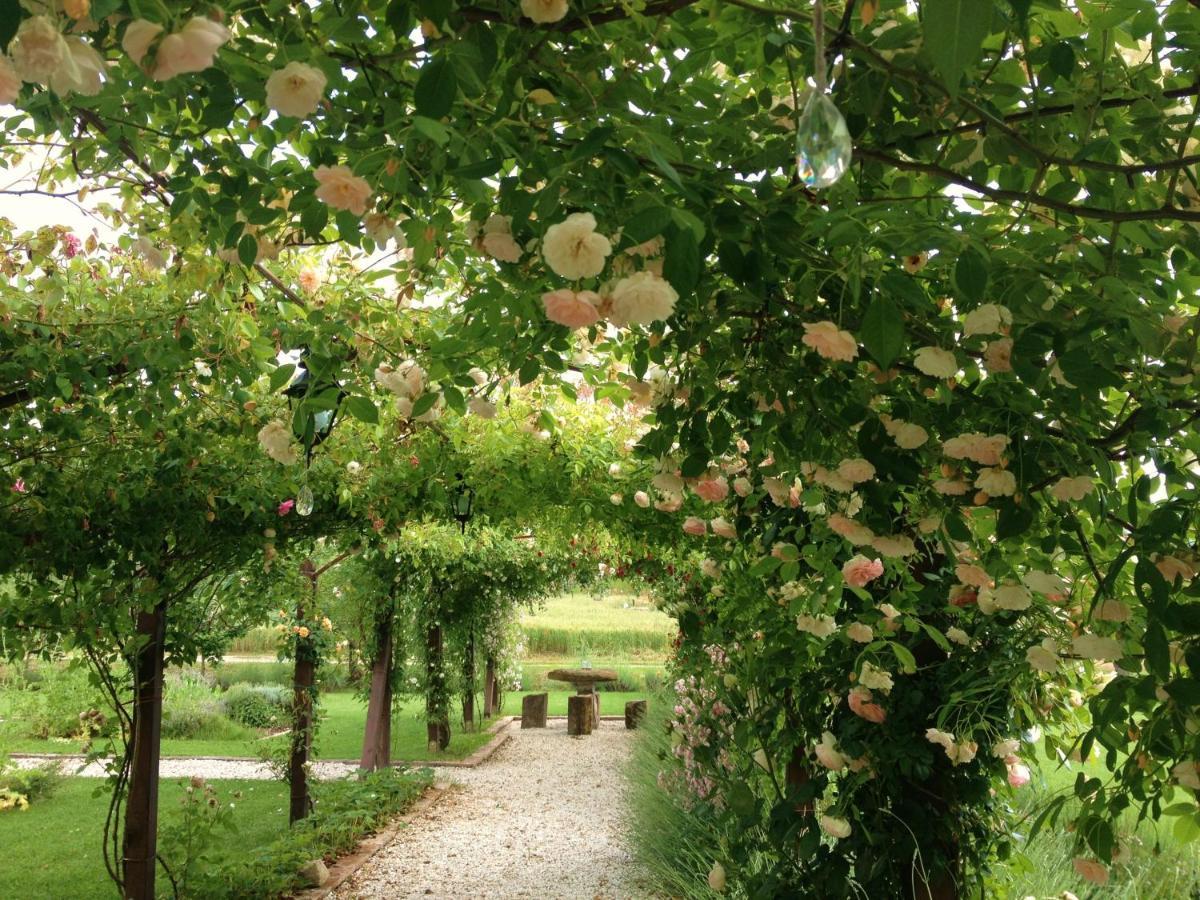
436,88
882,331
647,223
529,370
248,249
765,566
432,129
1158,653
362,409
681,266
954,33
281,376
424,404
908,662
971,275
1014,519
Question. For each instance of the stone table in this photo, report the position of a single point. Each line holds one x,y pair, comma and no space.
585,680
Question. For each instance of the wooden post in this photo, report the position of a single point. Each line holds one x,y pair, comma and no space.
533,710
437,717
580,712
635,711
139,845
468,697
377,737
491,704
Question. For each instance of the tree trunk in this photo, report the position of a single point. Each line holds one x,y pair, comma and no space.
491,705
437,716
468,697
580,714
797,778
377,738
139,846
302,684
352,673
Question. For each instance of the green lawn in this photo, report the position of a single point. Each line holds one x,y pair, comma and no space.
56,842
341,731
615,628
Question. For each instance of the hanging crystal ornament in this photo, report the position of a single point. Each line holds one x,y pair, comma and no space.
304,501
823,146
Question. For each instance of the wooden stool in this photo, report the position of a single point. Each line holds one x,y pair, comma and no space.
580,714
533,710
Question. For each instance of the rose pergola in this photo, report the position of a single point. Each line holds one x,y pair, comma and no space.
933,428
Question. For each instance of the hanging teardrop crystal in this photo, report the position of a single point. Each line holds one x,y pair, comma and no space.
823,146
304,501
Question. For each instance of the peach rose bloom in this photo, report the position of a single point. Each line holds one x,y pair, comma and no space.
191,49
860,700
711,489
342,189
1091,870
997,356
860,571
694,525
829,341
723,528
574,309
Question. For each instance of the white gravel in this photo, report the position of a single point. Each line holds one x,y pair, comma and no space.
187,768
543,818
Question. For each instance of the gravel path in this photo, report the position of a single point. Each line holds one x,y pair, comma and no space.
543,818
187,768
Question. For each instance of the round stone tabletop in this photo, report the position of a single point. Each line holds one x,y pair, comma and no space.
584,678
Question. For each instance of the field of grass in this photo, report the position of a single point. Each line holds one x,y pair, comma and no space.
614,628
53,848
341,731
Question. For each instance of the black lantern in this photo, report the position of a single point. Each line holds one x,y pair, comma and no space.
462,498
302,386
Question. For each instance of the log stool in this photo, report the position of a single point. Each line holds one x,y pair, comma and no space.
635,711
580,714
533,710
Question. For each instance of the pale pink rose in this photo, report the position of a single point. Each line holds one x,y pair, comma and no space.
500,245
862,705
296,90
1091,870
38,51
1172,568
544,11
936,362
310,280
191,49
909,436
951,487
695,525
669,502
855,532
83,72
778,490
985,449
574,309
723,528
1069,489
139,34
1005,749
711,489
829,341
973,575
742,487
642,499
855,470
342,189
860,571
997,356
1018,775
827,753
996,482
573,249
641,299
10,82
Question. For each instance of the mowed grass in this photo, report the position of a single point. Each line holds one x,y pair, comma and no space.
616,627
55,845
339,737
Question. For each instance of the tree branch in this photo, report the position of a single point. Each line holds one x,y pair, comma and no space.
577,23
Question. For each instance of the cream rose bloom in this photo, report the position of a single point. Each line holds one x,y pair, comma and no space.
875,678
894,545
573,309
855,470
835,827
987,319
1092,646
936,362
39,52
382,228
667,482
191,49
10,81
973,575
405,380
829,341
1045,583
642,298
642,499
1015,597
722,527
544,11
997,356
573,249
855,532
951,487
87,73
276,439
957,636
909,436
827,753
139,34
1043,656
1068,489
985,449
819,626
342,189
860,633
996,482
296,90
482,407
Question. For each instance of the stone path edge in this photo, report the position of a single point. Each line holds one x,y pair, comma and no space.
498,728
346,866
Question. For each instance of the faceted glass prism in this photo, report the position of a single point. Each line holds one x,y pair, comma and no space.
304,501
823,146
